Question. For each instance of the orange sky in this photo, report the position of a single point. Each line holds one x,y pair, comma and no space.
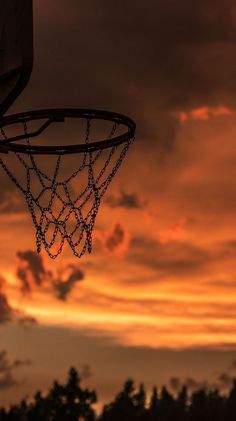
169,282
160,282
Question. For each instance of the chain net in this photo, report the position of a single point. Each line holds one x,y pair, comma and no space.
61,215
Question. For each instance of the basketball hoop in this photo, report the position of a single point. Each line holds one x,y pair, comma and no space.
61,215
63,205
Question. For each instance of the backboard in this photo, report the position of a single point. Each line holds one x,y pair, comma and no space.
16,49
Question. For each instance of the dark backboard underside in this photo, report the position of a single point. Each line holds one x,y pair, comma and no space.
16,49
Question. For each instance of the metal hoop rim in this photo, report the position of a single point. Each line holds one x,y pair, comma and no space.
56,115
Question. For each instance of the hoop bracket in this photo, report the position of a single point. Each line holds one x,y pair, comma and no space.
35,133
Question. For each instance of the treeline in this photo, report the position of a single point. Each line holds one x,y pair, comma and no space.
71,402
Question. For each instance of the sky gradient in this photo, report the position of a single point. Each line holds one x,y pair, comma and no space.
156,298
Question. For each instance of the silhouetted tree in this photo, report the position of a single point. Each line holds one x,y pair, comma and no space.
3,414
139,402
123,406
230,407
39,409
166,406
216,405
70,402
181,405
153,406
64,402
198,408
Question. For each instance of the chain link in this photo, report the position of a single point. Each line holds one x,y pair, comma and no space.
53,226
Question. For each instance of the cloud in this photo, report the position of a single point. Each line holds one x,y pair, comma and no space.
175,383
225,380
117,240
204,113
6,311
63,287
32,273
222,381
194,384
85,372
174,232
173,61
11,314
7,371
176,257
181,61
30,270
22,275
125,200
172,57
34,264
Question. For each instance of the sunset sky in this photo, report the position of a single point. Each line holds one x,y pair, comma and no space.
156,299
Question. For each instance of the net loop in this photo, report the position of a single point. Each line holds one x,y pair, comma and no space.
71,220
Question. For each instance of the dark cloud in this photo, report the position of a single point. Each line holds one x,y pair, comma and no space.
194,384
222,381
125,200
176,257
7,370
22,275
64,287
115,239
6,312
175,384
231,244
30,270
147,61
34,264
171,42
163,48
227,249
85,372
225,380
157,44
10,314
